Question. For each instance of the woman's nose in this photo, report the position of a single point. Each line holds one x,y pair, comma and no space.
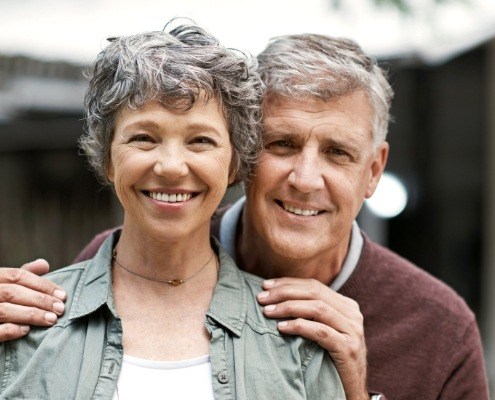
171,163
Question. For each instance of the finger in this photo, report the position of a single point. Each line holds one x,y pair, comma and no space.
313,310
307,289
38,267
20,295
17,314
22,277
12,331
322,334
271,283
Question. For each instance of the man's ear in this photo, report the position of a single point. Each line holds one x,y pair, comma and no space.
377,167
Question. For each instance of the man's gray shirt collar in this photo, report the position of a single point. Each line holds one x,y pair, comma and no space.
228,229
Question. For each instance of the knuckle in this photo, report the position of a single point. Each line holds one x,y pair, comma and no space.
3,312
281,292
320,309
14,275
8,293
32,314
314,287
322,333
353,350
43,300
9,332
297,325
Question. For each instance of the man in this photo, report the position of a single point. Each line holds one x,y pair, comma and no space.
325,122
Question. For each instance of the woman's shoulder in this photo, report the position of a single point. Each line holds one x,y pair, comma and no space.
69,275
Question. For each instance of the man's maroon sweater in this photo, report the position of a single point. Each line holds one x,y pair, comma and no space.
423,341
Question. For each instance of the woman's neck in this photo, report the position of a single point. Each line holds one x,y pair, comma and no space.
149,254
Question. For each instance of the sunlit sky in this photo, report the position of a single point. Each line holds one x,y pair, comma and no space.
75,30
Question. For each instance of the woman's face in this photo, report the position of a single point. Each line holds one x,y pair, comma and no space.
170,168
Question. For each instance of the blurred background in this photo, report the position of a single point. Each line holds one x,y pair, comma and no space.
436,206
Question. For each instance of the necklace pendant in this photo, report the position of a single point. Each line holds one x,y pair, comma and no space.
175,282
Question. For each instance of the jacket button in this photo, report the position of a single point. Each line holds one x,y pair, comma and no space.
222,377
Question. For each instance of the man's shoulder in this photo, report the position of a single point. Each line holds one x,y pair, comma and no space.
389,277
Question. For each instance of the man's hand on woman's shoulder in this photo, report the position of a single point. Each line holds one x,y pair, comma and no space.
28,299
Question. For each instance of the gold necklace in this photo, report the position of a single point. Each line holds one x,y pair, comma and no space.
172,282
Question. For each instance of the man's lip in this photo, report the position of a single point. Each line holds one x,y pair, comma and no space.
305,210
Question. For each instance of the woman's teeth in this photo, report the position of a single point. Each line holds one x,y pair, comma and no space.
170,198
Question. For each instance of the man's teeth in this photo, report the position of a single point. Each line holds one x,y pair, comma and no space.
299,211
170,198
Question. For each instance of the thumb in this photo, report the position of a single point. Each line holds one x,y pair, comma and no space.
38,267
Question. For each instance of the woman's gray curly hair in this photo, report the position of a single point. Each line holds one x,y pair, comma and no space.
176,68
323,67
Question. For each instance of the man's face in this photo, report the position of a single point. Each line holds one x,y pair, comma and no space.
318,166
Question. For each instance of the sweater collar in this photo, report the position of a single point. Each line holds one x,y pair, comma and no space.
231,219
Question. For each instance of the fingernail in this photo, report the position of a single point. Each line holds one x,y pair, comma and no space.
282,324
269,282
24,329
263,295
59,307
51,317
271,307
59,294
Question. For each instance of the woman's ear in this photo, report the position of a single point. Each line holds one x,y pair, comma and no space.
235,163
110,172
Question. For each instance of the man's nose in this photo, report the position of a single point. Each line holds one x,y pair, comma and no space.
306,175
171,162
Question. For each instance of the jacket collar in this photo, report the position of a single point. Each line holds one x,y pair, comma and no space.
228,306
95,286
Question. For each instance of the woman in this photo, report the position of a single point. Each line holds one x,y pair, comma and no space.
172,120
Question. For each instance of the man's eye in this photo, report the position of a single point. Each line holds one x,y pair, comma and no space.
337,153
279,143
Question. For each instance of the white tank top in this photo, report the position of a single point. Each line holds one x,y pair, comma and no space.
153,380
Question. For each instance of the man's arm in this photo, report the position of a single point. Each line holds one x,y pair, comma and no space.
326,317
467,379
26,299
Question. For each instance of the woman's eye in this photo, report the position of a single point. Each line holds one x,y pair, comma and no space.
140,138
203,140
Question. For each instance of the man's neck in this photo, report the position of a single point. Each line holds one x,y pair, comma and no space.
254,255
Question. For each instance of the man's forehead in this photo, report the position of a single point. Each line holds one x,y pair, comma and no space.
342,118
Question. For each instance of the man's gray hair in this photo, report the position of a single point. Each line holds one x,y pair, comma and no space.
326,68
176,68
